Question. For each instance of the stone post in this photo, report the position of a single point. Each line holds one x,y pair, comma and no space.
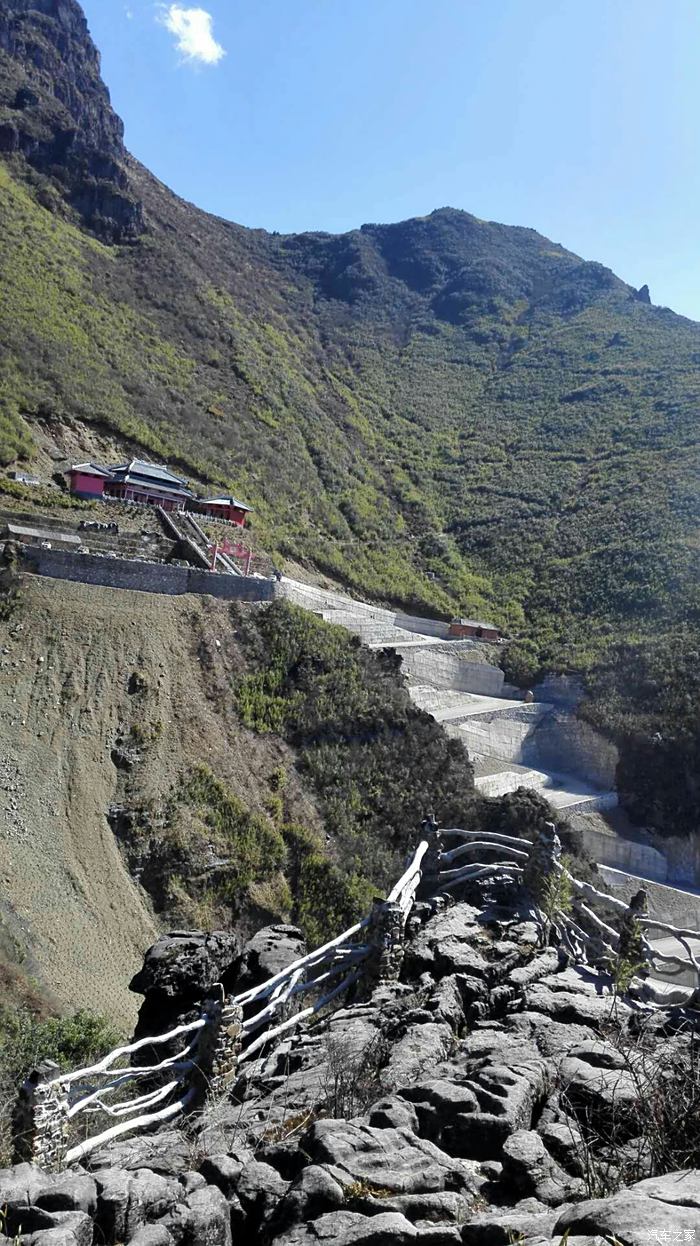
39,1121
385,935
630,948
218,1050
430,830
542,861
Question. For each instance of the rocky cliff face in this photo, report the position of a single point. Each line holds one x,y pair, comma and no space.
55,111
493,1095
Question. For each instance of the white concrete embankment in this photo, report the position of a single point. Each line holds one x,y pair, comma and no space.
454,682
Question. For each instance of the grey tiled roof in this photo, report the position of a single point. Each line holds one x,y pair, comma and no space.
151,471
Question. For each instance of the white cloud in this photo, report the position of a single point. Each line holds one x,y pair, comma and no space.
193,30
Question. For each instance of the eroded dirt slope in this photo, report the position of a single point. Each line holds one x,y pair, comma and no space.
80,669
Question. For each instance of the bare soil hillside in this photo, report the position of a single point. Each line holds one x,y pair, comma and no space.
104,693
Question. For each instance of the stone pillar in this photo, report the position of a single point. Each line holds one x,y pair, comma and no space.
541,863
630,947
430,867
385,935
218,1050
39,1121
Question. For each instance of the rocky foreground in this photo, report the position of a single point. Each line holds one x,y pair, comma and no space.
495,1095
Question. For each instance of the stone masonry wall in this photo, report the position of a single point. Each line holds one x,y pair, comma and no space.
144,577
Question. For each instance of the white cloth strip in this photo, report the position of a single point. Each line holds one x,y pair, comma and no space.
123,1109
597,921
516,841
171,1066
476,844
77,1152
300,1016
462,870
409,872
105,1064
480,870
586,889
264,989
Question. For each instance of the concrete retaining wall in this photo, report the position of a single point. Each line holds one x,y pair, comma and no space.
502,737
443,671
683,858
143,577
678,908
423,627
566,744
625,854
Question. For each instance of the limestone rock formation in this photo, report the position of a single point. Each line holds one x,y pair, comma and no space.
410,1116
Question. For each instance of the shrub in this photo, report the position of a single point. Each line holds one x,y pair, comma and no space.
70,1041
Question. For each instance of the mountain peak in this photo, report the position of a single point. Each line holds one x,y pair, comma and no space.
55,111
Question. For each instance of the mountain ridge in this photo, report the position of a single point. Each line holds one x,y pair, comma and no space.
446,414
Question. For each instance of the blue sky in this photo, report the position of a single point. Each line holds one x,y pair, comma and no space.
579,118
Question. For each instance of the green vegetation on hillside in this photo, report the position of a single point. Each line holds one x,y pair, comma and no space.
647,696
447,414
373,764
378,764
26,1040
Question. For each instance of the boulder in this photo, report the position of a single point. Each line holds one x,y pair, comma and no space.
420,1048
552,1038
315,1192
259,1190
529,1169
392,1113
152,1235
20,1183
394,1161
113,1195
501,1226
442,1207
78,1223
447,945
68,1192
223,1171
629,1215
50,1237
209,1218
179,971
269,951
470,1111
183,966
678,1189
25,1218
606,1096
151,1196
191,1181
565,1144
167,1153
347,1228
577,996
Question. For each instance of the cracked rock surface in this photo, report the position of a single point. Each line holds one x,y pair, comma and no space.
484,1099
